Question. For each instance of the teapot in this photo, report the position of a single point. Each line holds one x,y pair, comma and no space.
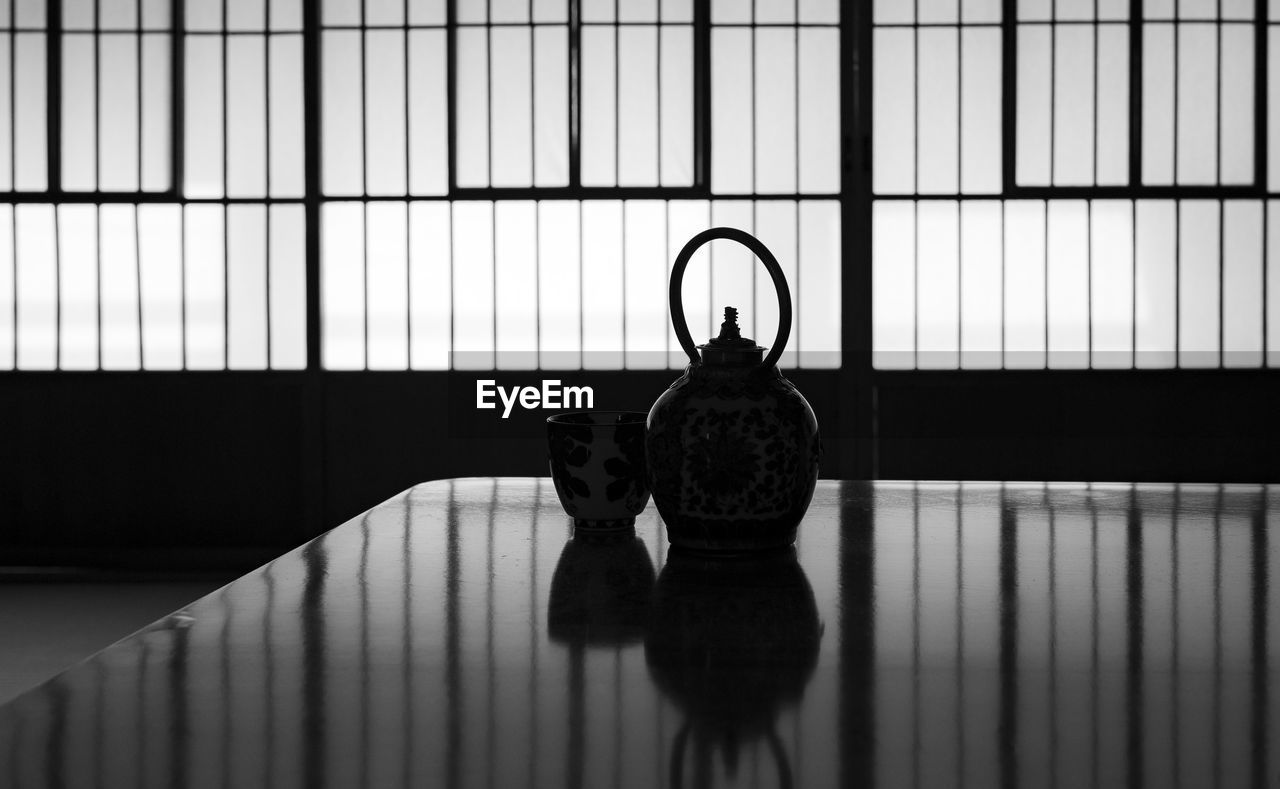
732,447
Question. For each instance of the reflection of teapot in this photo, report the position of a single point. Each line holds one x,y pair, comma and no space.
600,589
732,447
732,642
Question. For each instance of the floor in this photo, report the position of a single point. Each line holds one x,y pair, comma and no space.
47,626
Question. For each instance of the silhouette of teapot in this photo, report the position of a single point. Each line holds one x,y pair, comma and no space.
732,642
731,447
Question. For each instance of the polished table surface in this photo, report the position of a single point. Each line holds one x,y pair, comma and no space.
931,634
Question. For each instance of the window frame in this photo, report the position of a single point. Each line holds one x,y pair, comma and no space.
1135,188
865,439
574,190
54,191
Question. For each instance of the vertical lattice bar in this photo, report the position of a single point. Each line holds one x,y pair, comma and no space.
267,191
364,179
574,88
311,189
1053,94
137,285
1133,282
488,54
97,108
1008,94
959,65
1217,158
1222,226
1261,151
226,224
1004,302
10,152
1177,253
138,88
915,102
1136,61
53,72
658,30
617,135
915,189
451,96
1177,125
1093,137
53,161
1270,287
177,115
137,229
408,297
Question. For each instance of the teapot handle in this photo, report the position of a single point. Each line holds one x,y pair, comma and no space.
770,263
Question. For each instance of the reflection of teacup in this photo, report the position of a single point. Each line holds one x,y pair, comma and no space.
597,465
600,589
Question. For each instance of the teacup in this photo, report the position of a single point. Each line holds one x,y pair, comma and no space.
597,465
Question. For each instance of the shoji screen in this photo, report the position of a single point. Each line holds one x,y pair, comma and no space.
245,149
1106,205
500,183
556,165
154,171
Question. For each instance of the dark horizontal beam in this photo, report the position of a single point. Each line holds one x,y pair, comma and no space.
937,25
573,193
167,197
610,193
1104,193
537,193
959,376
565,23
260,32
1099,376
655,193
133,31
545,23
12,376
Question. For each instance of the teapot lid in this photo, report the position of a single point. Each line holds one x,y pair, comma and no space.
730,348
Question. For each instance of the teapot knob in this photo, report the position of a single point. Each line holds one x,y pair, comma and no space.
775,272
